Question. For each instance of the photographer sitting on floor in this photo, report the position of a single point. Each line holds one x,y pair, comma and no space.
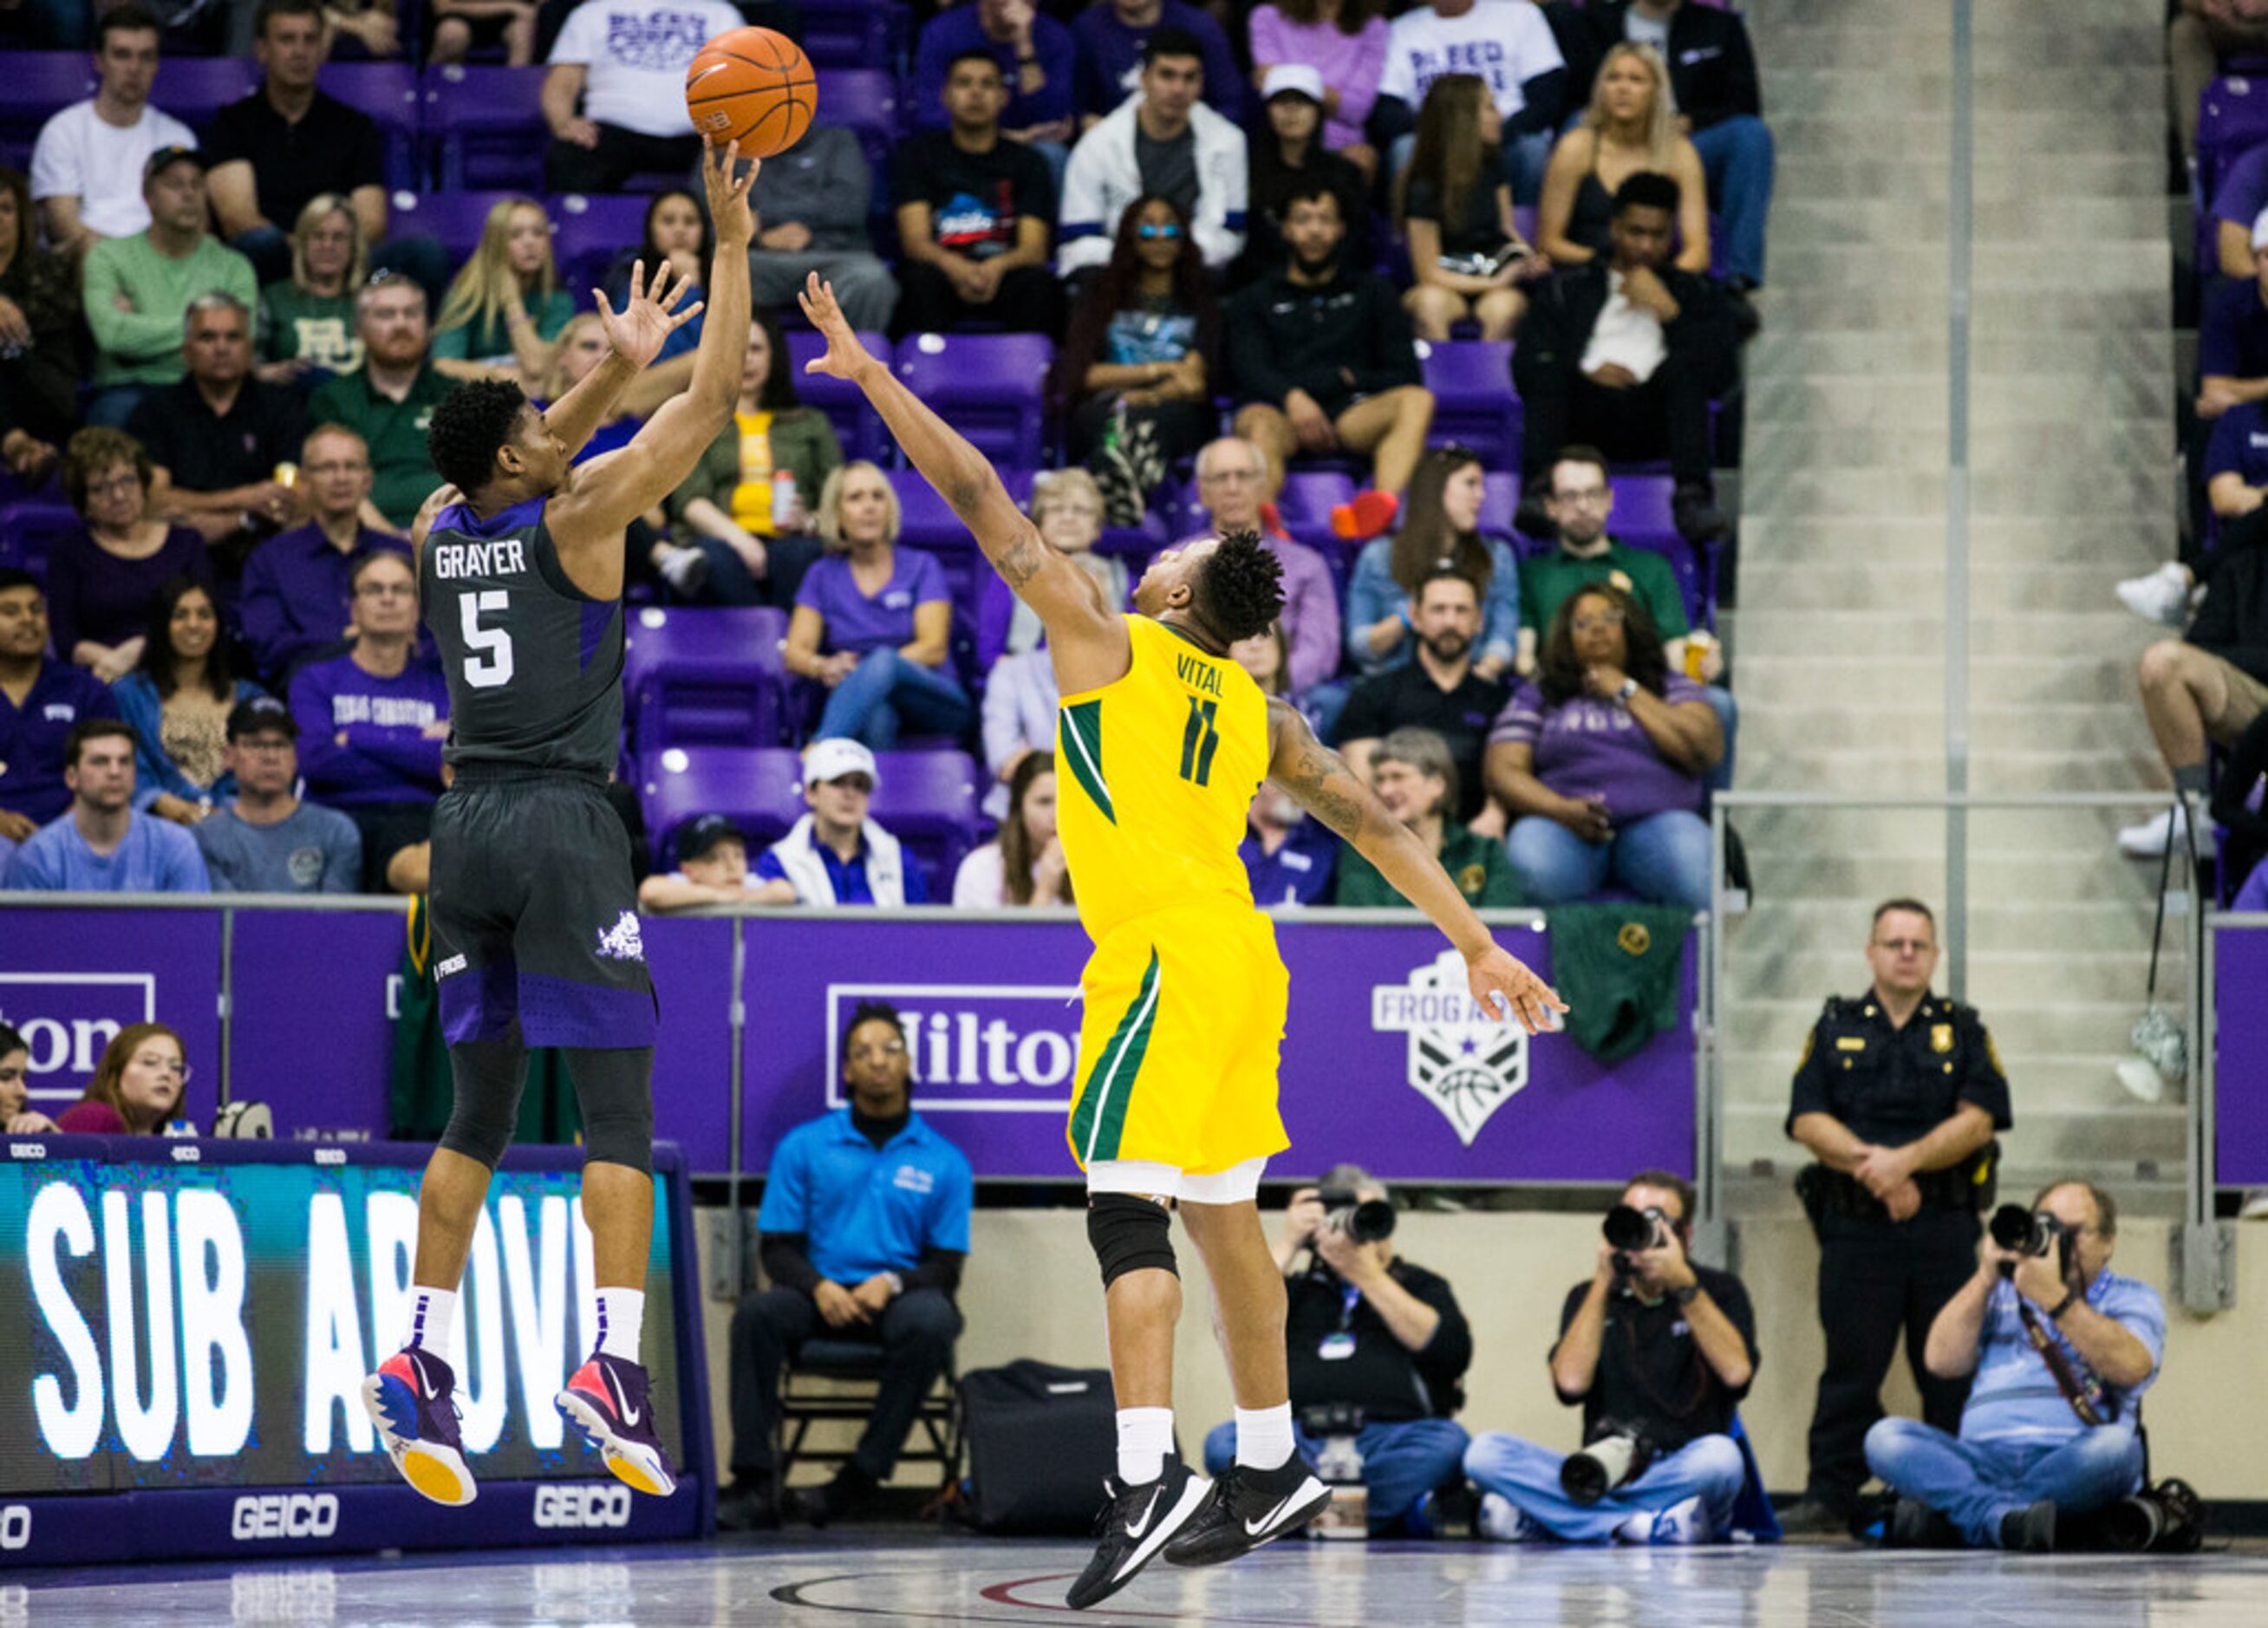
2062,1348
1659,1351
1376,1346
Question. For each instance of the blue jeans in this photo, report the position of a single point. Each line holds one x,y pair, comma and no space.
1709,1468
884,691
1728,720
1736,154
1974,1484
1663,858
1401,1462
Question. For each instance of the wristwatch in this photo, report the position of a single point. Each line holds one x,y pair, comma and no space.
1686,1295
1629,688
897,1284
2062,1305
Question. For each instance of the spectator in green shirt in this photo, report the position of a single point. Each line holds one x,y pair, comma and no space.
1581,503
137,290
1415,777
505,306
307,322
389,400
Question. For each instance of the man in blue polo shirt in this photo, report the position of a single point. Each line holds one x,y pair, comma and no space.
865,1226
41,702
2061,1349
835,854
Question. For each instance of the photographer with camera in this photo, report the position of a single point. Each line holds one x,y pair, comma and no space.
1376,1348
1897,1096
1658,1351
2061,1348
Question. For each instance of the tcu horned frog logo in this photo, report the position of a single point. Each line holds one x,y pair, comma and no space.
1462,1060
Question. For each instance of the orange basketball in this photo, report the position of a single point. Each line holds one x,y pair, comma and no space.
753,85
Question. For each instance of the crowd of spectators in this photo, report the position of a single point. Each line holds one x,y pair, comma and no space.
221,338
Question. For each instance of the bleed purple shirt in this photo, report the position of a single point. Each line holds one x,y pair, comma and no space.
1588,747
857,623
387,758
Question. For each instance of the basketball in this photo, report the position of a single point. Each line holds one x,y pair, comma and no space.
752,86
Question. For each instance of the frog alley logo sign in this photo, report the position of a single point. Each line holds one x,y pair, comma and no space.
1461,1059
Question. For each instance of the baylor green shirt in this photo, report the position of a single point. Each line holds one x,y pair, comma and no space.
403,475
1475,864
1546,582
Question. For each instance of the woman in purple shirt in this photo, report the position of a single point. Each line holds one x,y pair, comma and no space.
1600,760
872,621
1345,40
100,580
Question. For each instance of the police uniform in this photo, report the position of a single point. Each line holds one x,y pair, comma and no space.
1890,1086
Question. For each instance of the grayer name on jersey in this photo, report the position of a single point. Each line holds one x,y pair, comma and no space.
504,557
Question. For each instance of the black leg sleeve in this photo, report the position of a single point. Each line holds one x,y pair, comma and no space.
489,1074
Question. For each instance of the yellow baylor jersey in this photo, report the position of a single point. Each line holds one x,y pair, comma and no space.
1154,774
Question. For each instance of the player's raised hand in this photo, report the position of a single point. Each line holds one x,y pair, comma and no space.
647,318
1505,988
845,355
728,195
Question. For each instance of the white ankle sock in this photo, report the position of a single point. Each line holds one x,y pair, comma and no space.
1146,1436
432,1315
1264,1436
622,1318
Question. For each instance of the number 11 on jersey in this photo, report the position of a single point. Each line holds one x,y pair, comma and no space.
1200,740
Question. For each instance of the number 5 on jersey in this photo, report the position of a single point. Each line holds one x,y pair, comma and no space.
488,658
1200,740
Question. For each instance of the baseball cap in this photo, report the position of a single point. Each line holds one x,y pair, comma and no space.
1292,79
258,714
696,839
835,756
2260,229
165,157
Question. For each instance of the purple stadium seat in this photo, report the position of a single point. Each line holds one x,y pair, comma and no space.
930,525
850,33
192,89
762,788
2232,118
928,801
454,218
990,387
588,231
1307,501
29,527
1642,520
1499,502
485,126
41,84
864,101
705,677
856,425
388,93
1473,399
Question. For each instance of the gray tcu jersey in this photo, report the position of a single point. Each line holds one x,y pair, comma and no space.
535,666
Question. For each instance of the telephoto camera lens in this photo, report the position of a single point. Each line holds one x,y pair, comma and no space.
2011,1227
1369,1220
1599,1469
1627,1228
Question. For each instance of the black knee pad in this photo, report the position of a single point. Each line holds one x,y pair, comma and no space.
1129,1235
613,1087
489,1074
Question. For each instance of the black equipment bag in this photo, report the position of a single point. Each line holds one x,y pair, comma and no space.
1040,1440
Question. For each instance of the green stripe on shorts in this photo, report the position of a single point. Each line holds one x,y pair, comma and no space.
1101,1118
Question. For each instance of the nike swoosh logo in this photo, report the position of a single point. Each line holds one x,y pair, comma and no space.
1135,1529
1253,1528
630,1415
426,1385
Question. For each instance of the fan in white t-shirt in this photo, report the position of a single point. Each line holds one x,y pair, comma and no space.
86,168
625,60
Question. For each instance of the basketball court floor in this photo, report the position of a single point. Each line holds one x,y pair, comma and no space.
903,1575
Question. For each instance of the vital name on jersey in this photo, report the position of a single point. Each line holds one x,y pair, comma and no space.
1197,673
501,558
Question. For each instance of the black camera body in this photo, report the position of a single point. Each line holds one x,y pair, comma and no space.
1363,1220
1630,1230
2030,1232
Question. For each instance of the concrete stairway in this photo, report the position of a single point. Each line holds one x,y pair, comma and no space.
1838,647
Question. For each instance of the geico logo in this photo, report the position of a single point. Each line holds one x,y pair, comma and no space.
571,1506
28,1150
286,1514
15,1526
187,1155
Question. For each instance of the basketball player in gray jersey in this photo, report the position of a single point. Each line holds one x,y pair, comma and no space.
535,913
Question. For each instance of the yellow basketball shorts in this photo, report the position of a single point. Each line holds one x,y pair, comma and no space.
1178,1049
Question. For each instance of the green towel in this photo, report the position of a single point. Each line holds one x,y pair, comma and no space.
422,1090
1617,967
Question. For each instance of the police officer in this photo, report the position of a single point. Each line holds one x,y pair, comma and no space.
1897,1096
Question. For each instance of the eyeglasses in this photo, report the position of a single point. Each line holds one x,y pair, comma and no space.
356,468
1906,946
1597,620
1151,230
387,589
116,484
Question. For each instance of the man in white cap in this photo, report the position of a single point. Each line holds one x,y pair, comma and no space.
836,855
1290,151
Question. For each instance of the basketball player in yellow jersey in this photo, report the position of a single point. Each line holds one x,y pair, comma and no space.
1163,742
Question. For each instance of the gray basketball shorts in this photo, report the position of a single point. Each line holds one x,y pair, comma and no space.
534,914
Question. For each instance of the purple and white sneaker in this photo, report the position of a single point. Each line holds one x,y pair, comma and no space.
412,1399
606,1400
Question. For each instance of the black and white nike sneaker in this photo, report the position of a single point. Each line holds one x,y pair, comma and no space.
1249,1507
1133,1527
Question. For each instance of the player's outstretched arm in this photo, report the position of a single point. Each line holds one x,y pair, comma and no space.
615,490
635,335
1317,779
1067,599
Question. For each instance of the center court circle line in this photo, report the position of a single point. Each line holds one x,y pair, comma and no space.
799,1593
